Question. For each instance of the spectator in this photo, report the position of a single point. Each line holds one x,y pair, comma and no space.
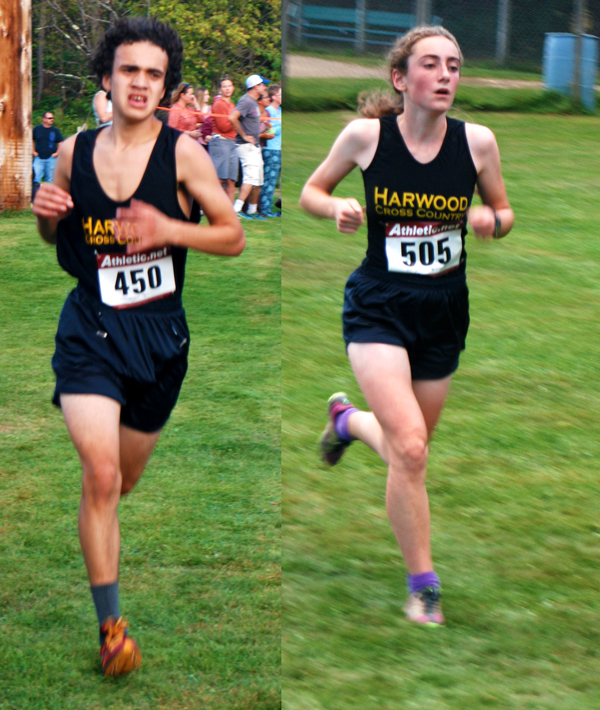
246,121
46,145
265,120
182,114
202,95
264,135
272,153
222,144
102,108
203,108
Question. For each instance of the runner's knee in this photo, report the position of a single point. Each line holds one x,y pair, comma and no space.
101,481
408,453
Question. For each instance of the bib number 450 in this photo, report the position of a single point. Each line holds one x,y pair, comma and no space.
152,277
425,252
128,280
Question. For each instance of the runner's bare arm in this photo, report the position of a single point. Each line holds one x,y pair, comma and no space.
101,105
195,171
53,200
490,184
355,146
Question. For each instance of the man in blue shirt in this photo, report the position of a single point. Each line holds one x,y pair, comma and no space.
46,145
272,154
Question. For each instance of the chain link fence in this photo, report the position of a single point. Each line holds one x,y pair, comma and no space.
507,32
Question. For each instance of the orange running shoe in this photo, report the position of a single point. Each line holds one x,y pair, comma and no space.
119,653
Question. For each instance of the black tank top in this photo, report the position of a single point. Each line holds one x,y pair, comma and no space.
416,213
89,231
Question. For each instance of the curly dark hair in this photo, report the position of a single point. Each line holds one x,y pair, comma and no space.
139,29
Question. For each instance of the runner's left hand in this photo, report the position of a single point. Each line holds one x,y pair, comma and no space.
482,220
148,224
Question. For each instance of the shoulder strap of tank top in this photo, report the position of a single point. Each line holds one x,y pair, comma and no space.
388,121
82,157
456,126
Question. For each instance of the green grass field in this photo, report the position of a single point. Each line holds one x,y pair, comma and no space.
334,94
200,564
513,474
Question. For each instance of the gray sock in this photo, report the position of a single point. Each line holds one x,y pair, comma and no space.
106,600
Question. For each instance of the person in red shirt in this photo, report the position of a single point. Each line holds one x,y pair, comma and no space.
182,115
222,144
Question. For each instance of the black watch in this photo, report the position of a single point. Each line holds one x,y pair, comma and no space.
498,225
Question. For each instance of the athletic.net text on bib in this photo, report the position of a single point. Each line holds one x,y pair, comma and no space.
425,248
128,280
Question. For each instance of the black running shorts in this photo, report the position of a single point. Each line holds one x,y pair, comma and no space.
137,358
430,319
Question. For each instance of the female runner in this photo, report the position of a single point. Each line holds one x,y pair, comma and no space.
405,314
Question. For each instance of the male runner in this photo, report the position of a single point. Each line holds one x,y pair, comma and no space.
118,211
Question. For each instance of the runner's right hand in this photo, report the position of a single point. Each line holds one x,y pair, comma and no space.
348,215
52,201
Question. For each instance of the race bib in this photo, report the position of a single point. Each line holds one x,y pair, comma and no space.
425,248
127,280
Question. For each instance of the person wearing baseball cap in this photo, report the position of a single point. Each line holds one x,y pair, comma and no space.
246,121
255,79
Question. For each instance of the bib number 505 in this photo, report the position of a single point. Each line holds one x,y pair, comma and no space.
427,249
425,252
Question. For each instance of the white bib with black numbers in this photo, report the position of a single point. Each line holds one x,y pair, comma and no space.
425,248
128,280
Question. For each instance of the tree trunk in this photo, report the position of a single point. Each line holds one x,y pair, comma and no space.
579,30
284,41
40,52
361,13
503,31
423,12
15,104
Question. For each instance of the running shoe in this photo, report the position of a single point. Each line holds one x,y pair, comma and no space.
425,607
243,215
119,653
332,447
259,216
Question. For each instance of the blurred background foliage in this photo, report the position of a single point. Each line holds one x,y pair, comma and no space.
233,37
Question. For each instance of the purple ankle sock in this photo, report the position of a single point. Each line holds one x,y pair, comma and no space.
416,582
341,424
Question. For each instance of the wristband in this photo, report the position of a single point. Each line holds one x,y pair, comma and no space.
498,225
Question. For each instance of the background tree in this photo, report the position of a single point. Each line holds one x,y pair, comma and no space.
237,37
234,37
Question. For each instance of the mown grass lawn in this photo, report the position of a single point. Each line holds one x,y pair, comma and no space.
514,467
200,563
320,95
